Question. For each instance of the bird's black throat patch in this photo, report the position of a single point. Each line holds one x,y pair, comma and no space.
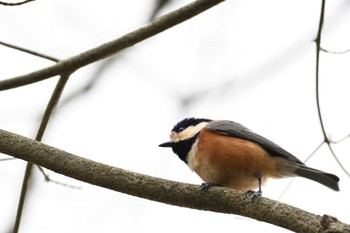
182,148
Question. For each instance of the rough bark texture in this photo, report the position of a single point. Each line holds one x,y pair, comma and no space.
186,195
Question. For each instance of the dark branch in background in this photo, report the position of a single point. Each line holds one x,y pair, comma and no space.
15,3
318,49
44,122
216,199
110,48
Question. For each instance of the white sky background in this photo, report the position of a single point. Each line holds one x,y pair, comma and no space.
250,61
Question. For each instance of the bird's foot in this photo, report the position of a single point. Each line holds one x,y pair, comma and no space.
206,186
253,195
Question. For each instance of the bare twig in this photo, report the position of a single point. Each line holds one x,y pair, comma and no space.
24,190
29,51
110,48
318,49
335,52
340,140
48,179
314,152
7,159
44,122
51,105
15,3
305,160
218,199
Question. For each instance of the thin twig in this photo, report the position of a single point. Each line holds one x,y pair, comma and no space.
335,52
48,179
340,140
51,105
24,190
29,51
110,48
314,152
318,49
305,160
7,159
44,122
15,3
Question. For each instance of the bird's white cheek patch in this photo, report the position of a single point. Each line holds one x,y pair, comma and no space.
187,133
192,160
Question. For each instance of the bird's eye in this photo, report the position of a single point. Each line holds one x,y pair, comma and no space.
182,128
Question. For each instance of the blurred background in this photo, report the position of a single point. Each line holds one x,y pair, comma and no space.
249,61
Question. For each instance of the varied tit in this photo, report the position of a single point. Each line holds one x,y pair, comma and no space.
228,154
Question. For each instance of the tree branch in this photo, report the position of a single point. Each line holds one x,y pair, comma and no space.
110,48
216,199
15,3
318,49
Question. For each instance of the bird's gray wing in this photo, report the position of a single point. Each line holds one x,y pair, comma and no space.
233,129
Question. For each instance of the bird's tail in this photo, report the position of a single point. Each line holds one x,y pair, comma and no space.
327,179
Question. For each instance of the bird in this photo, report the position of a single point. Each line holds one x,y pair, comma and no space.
226,153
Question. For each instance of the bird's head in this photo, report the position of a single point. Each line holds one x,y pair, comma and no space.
184,134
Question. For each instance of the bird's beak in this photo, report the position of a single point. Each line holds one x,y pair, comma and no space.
167,144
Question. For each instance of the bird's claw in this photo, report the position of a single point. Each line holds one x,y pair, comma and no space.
253,195
206,186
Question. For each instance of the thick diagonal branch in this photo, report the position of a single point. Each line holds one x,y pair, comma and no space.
110,48
216,199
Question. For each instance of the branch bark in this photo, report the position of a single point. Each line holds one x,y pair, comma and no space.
186,195
110,48
15,3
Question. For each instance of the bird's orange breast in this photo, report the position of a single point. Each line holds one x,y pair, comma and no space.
230,161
